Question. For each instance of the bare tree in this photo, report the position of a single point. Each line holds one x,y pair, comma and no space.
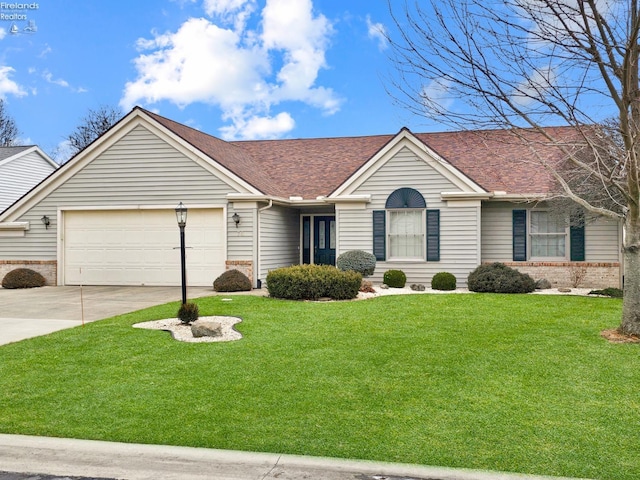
8,128
92,125
511,64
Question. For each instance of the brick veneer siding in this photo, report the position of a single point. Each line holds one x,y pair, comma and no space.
244,266
573,274
47,268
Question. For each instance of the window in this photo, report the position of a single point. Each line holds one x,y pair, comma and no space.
406,229
540,234
548,235
406,234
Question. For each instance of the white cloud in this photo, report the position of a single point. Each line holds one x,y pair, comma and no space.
246,72
436,95
235,12
539,83
258,127
8,86
48,76
377,32
3,33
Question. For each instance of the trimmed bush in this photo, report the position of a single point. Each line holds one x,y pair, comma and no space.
498,278
232,281
443,281
394,278
357,260
608,292
23,278
311,282
188,313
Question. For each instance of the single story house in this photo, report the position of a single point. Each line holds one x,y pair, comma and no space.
21,168
422,203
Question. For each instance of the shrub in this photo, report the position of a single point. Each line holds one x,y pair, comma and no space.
608,292
357,260
188,313
443,281
311,282
232,281
394,278
498,278
367,287
23,278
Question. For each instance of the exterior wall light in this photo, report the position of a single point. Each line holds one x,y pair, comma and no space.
46,222
236,219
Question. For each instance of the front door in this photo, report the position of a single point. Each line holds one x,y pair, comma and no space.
324,241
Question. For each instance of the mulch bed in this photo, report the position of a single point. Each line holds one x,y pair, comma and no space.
615,336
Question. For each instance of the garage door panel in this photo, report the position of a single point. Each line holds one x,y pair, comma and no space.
141,247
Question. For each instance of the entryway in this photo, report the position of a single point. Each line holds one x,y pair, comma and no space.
319,239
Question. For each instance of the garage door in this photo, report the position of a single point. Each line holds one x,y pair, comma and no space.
141,247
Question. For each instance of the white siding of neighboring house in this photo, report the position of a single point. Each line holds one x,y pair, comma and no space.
20,175
279,239
602,237
459,223
140,169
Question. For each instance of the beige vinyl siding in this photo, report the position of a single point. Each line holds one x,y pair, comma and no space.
497,231
602,237
602,241
20,175
241,239
458,225
279,239
140,169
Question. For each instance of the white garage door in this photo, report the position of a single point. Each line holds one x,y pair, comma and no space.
141,247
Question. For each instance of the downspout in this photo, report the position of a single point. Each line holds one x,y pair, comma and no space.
259,250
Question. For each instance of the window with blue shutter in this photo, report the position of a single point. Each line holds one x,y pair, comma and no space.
433,235
519,235
379,234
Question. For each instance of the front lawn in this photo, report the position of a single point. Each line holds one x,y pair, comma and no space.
520,383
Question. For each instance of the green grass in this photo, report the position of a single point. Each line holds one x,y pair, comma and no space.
520,383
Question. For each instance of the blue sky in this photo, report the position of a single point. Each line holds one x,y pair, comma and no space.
237,69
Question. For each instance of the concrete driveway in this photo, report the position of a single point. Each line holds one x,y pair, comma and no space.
31,312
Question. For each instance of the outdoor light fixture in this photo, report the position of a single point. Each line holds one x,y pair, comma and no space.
236,219
181,217
46,221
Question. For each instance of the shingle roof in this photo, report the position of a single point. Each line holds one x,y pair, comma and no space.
7,152
494,159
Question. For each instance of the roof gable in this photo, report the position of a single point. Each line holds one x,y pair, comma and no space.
405,139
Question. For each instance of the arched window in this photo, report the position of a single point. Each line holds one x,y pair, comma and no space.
406,230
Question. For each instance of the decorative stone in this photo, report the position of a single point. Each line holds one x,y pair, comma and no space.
206,328
564,290
543,284
384,286
417,287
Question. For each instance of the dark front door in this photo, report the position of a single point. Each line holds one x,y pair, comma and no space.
324,241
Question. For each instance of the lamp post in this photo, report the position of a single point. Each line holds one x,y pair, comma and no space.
181,216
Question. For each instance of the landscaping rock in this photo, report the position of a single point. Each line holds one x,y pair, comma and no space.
384,286
206,328
418,287
564,290
543,284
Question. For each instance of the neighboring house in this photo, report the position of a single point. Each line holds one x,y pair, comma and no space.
422,203
21,168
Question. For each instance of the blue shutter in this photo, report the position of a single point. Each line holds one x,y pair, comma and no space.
519,235
379,234
576,237
433,235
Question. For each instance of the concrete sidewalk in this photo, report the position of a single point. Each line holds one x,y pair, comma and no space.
86,458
